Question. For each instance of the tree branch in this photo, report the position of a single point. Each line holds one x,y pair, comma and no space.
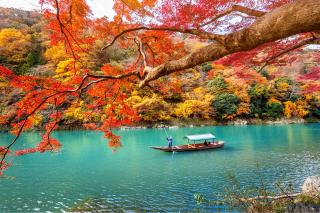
112,76
197,32
278,24
235,8
7,148
141,50
312,40
285,196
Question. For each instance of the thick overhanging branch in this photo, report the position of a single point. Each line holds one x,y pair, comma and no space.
300,16
200,33
197,32
235,8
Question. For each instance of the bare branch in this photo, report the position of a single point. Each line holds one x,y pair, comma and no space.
235,8
62,30
270,197
141,50
200,33
112,76
312,40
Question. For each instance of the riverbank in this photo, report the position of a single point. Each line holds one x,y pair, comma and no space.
201,123
178,123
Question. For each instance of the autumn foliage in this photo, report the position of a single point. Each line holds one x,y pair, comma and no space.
98,66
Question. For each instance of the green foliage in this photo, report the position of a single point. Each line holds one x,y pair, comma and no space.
217,85
259,96
23,69
265,74
305,199
274,110
206,67
30,59
225,104
314,108
174,98
199,198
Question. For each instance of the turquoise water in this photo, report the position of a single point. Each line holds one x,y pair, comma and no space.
136,177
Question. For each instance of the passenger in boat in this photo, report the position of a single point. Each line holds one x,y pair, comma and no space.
170,141
206,143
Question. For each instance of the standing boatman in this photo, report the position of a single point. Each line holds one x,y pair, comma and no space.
170,141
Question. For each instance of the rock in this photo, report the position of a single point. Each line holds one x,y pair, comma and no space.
311,186
240,122
173,127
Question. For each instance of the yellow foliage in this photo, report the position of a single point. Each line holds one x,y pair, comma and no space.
302,108
243,108
239,88
150,108
197,108
75,111
289,109
56,53
283,87
298,109
199,93
36,119
3,83
272,69
14,45
134,99
273,100
196,76
197,103
65,69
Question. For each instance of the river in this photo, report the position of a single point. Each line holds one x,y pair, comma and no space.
87,175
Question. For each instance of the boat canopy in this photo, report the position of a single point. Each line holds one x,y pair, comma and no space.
201,137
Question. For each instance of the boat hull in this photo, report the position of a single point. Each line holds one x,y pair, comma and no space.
186,148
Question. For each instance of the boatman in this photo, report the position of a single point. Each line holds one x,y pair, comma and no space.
170,141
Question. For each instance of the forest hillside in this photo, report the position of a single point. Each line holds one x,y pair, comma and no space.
212,93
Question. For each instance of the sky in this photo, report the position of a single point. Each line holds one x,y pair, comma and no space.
99,8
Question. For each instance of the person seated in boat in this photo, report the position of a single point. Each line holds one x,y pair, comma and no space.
170,141
206,143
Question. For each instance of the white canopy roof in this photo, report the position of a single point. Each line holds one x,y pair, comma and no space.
201,137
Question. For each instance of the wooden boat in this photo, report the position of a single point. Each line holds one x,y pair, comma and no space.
190,147
208,143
